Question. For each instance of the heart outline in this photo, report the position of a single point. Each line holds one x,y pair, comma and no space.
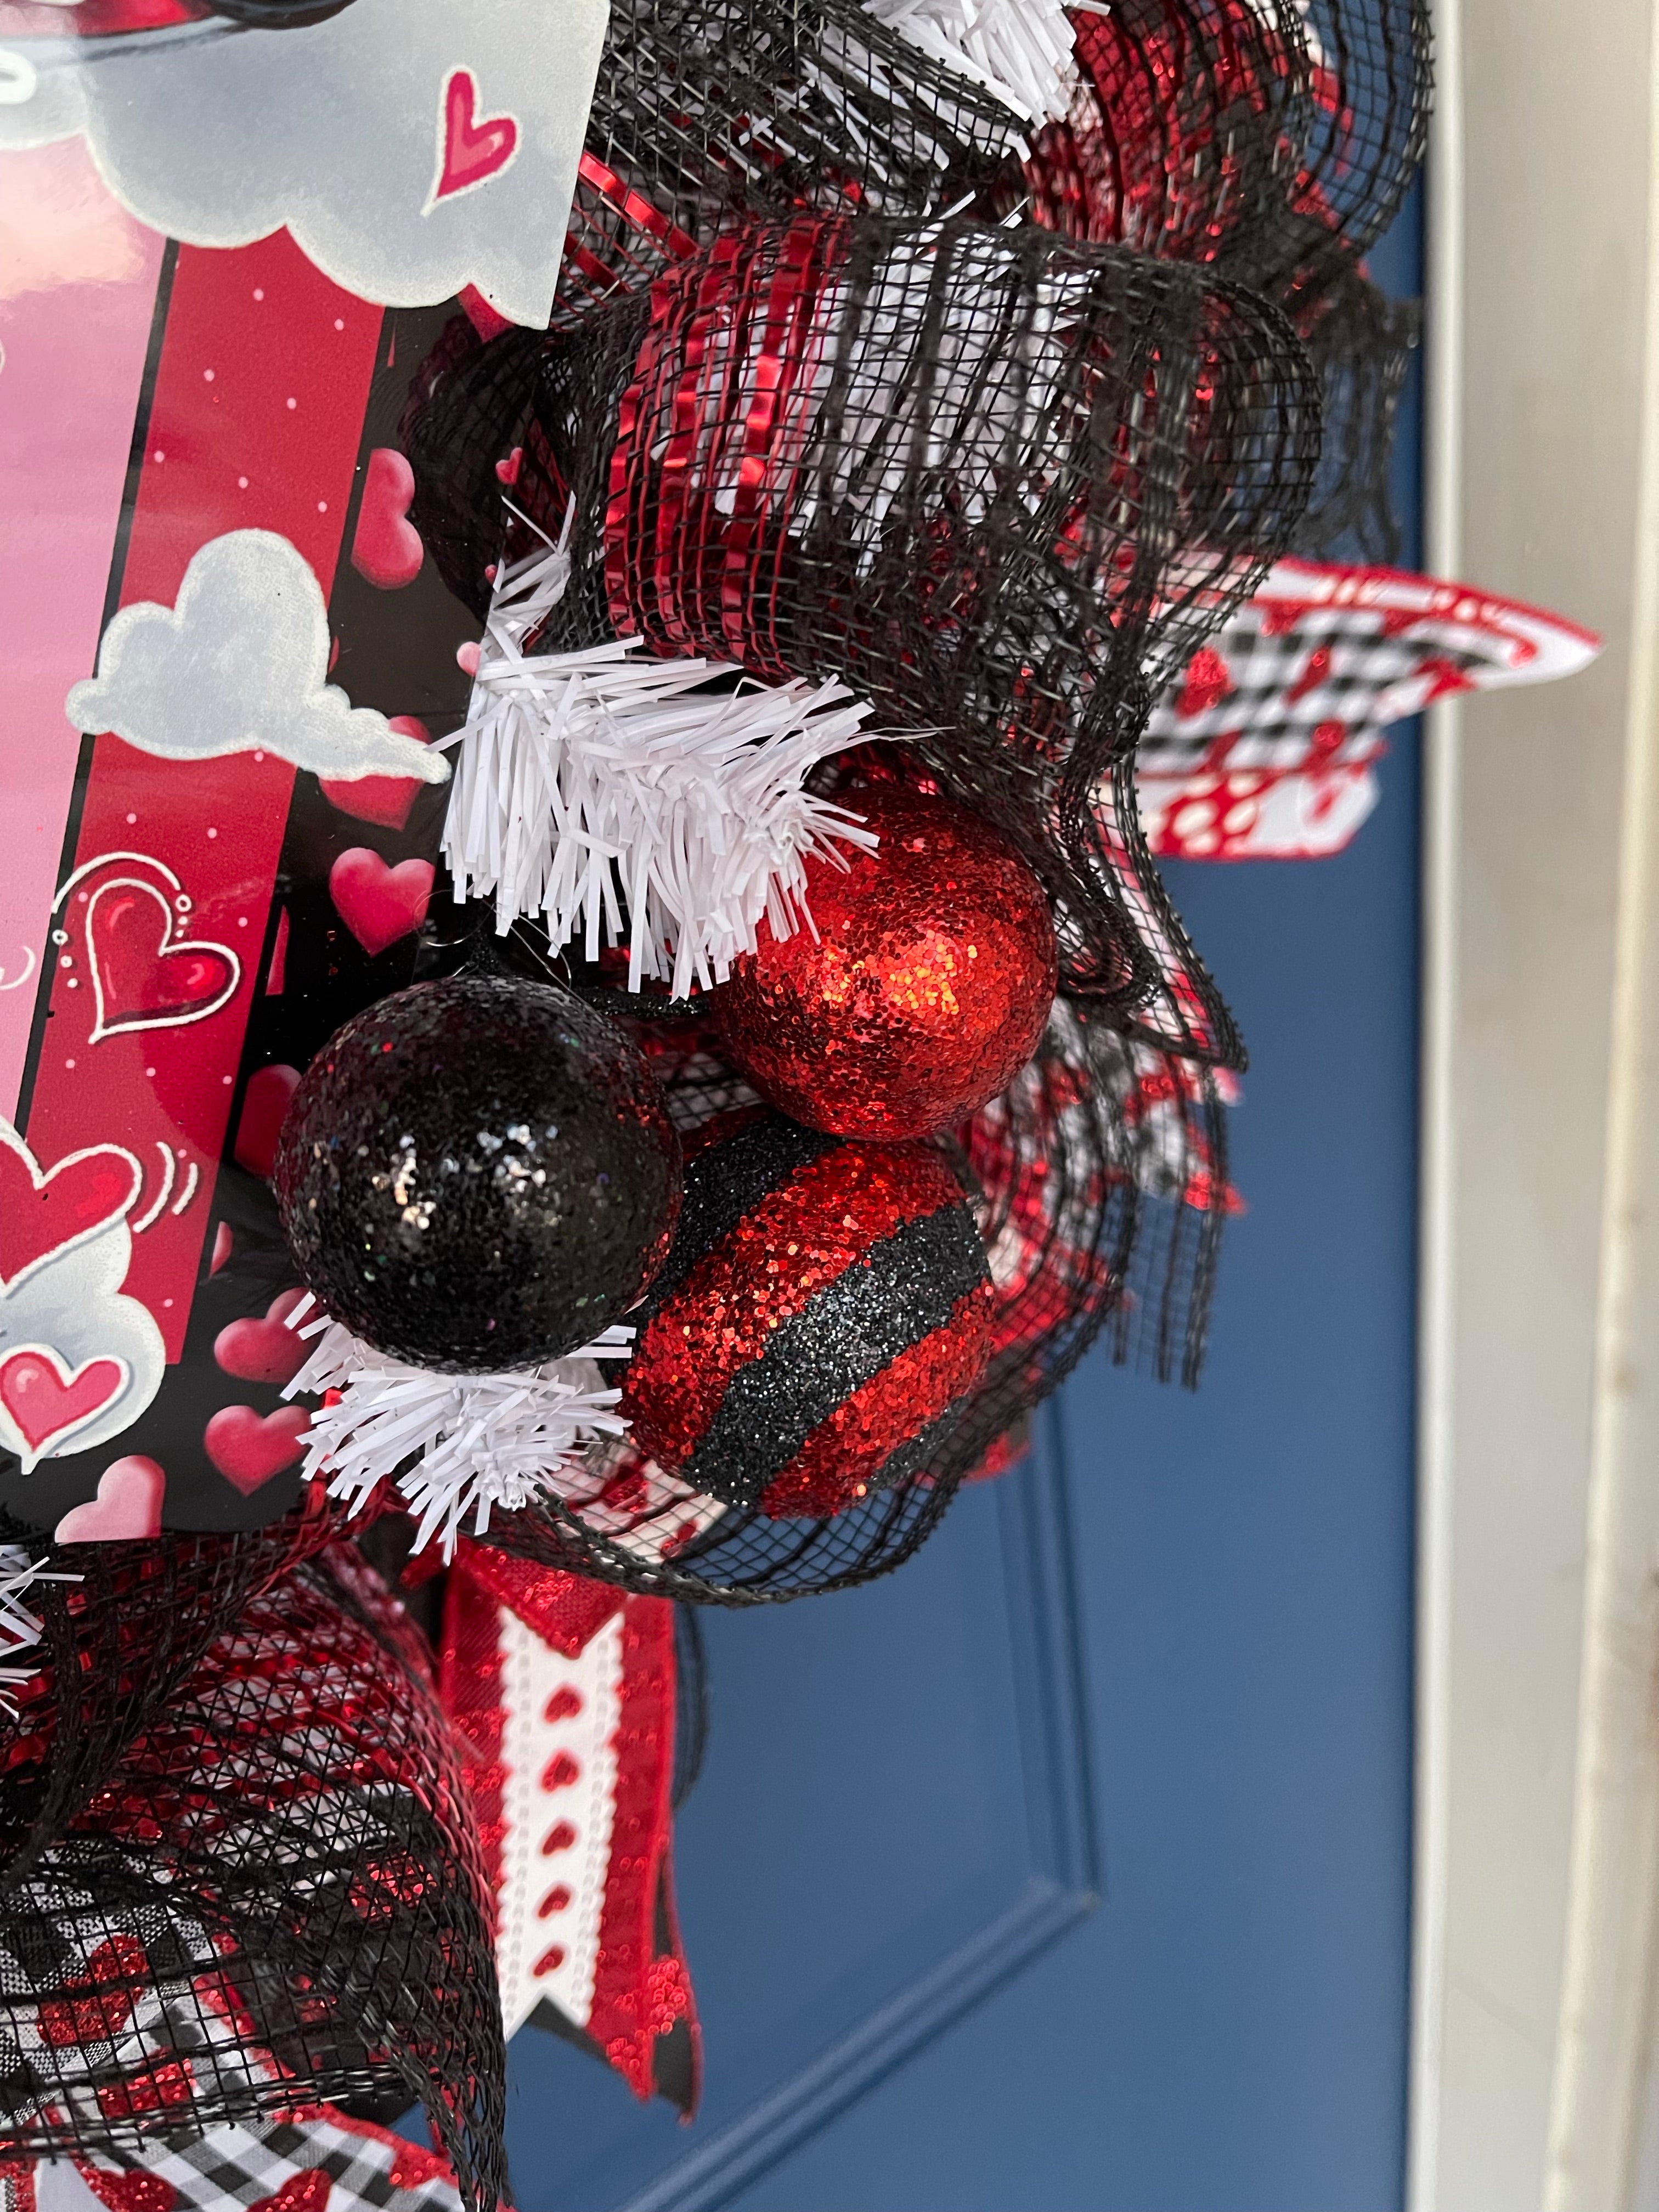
49,1442
102,1027
13,1142
458,123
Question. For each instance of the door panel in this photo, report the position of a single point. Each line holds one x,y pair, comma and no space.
895,1815
897,1810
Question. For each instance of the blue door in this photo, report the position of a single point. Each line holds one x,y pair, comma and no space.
1067,1870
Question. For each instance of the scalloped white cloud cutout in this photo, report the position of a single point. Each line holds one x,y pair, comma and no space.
238,665
412,147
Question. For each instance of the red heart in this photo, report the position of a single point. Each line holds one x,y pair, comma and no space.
41,1214
128,2192
472,147
46,1398
487,321
140,979
248,1449
263,1350
95,2007
379,904
265,1108
128,1505
386,547
383,799
300,2192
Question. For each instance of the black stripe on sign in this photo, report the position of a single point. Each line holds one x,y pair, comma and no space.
907,1286
727,1182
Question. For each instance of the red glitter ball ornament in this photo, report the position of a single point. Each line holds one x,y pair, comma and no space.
824,1316
924,992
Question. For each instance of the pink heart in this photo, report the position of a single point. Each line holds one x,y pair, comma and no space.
265,1108
383,799
128,1505
388,548
46,1398
507,470
379,904
472,147
249,1448
263,1350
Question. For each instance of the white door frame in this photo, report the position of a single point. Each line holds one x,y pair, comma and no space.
1537,1843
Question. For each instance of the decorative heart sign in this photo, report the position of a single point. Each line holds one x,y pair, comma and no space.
233,703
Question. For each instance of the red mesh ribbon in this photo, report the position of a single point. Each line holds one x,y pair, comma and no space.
1185,123
126,1633
983,478
1277,147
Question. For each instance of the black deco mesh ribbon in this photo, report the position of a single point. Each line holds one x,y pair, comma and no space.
1099,1186
123,1635
1276,144
268,1893
1361,343
708,113
994,482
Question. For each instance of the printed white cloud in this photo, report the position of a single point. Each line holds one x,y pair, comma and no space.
337,131
240,664
72,1306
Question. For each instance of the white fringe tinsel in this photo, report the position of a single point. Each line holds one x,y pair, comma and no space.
1020,50
466,1443
20,1630
588,783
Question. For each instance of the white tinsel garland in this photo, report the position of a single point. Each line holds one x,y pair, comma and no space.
588,783
20,1629
1018,50
465,1443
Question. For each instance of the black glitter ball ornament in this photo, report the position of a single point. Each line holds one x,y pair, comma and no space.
478,1174
820,1326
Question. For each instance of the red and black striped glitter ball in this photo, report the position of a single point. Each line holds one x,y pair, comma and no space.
823,1317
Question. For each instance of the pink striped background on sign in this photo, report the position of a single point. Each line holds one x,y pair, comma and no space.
77,293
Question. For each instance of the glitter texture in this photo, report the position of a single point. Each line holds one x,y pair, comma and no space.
478,1174
924,991
822,1344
